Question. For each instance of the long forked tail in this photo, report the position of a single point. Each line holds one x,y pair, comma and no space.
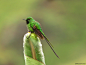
51,46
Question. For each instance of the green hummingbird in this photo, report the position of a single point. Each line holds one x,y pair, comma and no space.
34,27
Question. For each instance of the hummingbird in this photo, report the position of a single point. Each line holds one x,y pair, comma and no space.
34,27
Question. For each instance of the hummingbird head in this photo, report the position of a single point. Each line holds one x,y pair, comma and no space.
29,19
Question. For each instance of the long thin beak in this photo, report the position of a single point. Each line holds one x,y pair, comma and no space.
23,19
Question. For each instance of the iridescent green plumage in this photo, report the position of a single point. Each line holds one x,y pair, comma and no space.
34,27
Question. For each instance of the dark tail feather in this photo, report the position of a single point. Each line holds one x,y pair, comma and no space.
48,41
51,46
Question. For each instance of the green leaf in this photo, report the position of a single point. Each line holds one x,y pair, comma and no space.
33,53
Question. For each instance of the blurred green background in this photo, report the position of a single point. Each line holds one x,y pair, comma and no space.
63,22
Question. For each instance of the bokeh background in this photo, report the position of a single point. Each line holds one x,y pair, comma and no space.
63,22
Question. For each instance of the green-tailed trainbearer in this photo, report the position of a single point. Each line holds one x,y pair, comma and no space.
34,27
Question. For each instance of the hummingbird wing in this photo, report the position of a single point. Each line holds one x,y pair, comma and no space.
37,32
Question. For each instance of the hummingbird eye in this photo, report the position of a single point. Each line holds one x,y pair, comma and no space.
28,19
